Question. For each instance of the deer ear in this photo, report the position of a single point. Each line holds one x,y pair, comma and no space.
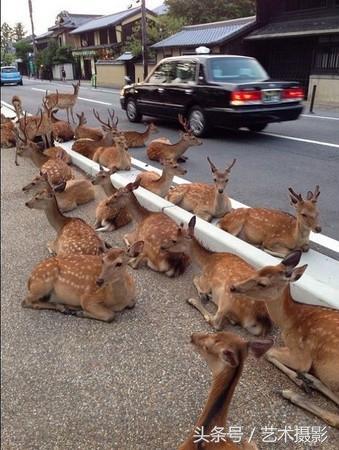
309,195
191,225
135,249
297,273
292,259
260,347
230,357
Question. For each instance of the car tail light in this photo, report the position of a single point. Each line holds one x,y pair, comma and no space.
245,96
295,93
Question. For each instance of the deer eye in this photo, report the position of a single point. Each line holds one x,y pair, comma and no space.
119,264
304,215
261,284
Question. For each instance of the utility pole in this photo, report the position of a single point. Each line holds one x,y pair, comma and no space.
33,34
144,37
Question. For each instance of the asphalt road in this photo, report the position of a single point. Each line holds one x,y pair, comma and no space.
134,384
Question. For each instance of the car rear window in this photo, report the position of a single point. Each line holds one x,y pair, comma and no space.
8,70
234,70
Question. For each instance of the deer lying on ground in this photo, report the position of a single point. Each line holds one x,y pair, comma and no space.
159,149
56,170
74,235
108,216
7,133
310,333
225,354
219,272
64,101
276,232
95,287
17,105
204,200
77,192
155,229
62,130
87,147
116,156
160,184
136,139
81,131
57,153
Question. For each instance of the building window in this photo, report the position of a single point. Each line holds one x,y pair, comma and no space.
167,52
112,36
327,60
294,5
103,36
87,39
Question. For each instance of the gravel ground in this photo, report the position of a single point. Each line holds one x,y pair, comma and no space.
70,383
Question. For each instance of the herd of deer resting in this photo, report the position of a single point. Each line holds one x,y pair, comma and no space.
90,279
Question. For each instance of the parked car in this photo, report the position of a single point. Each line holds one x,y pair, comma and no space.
213,90
10,75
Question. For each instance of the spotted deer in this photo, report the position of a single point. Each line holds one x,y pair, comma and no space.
62,130
276,232
94,287
225,354
116,156
205,200
57,153
155,229
82,131
219,271
160,149
310,333
64,100
160,184
77,192
137,139
74,235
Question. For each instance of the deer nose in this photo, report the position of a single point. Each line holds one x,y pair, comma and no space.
100,281
233,288
317,229
27,204
220,191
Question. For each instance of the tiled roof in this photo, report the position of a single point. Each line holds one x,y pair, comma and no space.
75,20
160,10
297,28
46,35
208,33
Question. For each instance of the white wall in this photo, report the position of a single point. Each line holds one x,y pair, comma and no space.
68,69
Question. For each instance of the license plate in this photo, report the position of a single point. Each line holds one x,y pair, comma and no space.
271,96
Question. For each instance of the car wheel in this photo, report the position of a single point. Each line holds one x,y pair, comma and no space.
20,83
197,121
132,112
258,127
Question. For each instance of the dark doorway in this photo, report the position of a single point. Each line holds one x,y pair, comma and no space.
130,70
87,69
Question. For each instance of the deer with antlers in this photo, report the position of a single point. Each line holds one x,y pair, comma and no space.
225,354
137,139
74,235
94,287
62,130
155,229
83,132
64,101
77,192
310,333
219,272
87,147
276,232
108,216
160,184
205,200
160,149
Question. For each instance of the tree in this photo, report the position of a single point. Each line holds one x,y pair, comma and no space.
22,48
18,32
63,55
198,11
6,37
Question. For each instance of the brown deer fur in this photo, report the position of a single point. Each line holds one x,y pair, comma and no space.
81,131
7,134
95,287
57,153
275,231
136,139
158,150
116,156
64,101
225,354
62,130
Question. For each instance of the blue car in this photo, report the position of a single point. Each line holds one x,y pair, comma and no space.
10,75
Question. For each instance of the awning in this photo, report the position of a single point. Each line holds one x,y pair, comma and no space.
127,56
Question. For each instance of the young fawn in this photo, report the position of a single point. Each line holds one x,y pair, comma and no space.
310,333
64,101
95,287
81,131
204,200
160,184
276,232
225,354
155,229
136,139
160,149
116,156
62,130
74,235
77,192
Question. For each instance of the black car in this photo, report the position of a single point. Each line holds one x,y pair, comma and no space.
213,90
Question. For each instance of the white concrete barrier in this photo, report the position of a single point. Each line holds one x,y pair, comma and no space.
319,285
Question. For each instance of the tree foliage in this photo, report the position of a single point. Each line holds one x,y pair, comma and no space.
198,11
19,32
6,37
53,54
22,48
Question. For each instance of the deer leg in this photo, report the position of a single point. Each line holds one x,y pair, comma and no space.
199,305
278,251
41,302
297,360
330,418
203,293
67,111
51,248
72,114
94,309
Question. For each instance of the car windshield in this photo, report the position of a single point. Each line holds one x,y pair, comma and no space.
8,70
234,70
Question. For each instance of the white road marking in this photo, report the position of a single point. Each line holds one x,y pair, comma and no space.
308,141
79,98
314,116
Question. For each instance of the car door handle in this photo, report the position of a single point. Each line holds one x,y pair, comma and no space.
161,90
188,91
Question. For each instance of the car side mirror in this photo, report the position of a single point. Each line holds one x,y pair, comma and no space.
127,80
201,79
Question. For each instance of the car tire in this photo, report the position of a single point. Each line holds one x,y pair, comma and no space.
133,115
257,127
197,121
20,83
